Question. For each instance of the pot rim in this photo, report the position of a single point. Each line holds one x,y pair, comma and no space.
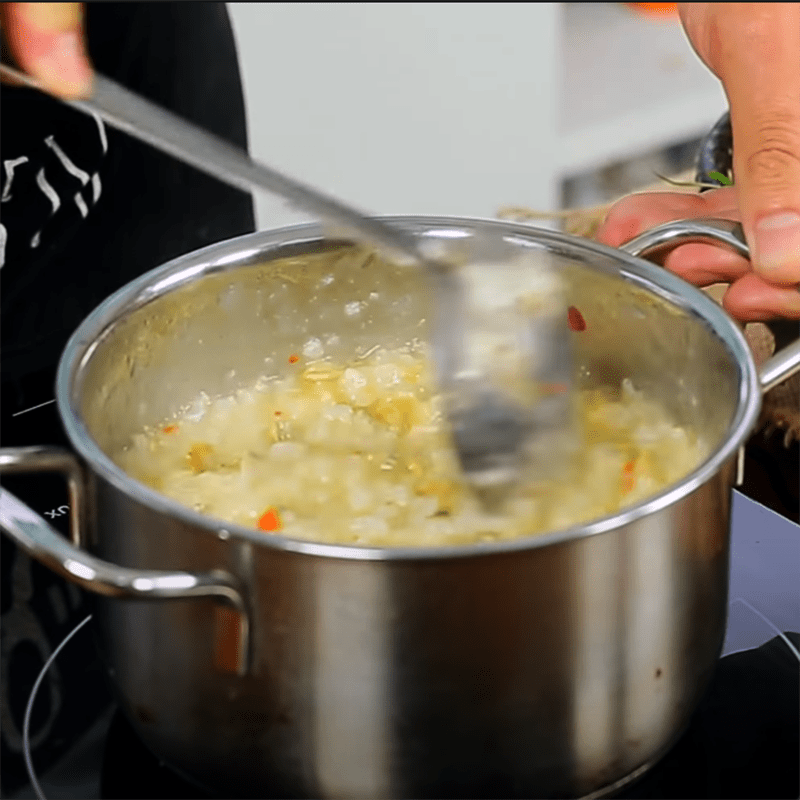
255,247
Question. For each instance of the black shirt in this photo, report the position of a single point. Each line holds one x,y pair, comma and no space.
84,210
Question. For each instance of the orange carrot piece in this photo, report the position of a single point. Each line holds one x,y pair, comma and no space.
628,479
270,520
293,359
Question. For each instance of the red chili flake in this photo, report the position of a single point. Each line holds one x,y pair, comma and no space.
169,429
278,413
576,320
293,359
270,520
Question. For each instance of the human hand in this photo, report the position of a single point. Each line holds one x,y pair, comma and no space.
749,297
754,49
47,41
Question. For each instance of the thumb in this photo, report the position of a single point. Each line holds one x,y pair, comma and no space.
759,66
47,41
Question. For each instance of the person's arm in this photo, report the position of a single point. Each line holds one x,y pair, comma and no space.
47,41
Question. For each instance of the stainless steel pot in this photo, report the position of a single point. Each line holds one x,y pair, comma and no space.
553,666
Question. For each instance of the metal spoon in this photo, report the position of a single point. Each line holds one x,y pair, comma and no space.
500,435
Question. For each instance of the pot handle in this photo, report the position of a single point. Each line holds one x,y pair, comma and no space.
41,541
782,365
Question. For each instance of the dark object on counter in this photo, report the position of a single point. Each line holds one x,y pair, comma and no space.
772,474
716,153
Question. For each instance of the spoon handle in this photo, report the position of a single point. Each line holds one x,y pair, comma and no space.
138,117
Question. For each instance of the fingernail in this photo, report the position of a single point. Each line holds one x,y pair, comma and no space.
777,241
64,65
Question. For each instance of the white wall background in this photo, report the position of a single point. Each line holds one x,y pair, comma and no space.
419,108
461,108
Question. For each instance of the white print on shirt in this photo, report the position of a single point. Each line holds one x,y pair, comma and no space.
49,192
71,168
9,167
81,203
96,188
101,128
82,176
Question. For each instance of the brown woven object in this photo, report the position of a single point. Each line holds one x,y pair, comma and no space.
781,407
